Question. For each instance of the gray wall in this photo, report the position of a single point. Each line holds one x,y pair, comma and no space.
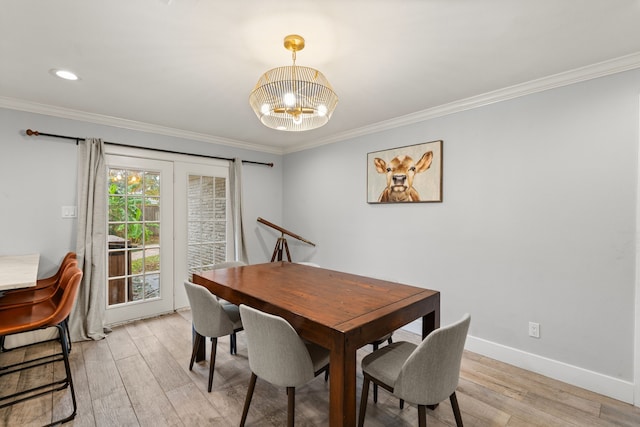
537,223
38,176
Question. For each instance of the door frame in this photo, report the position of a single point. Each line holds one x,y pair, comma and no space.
177,160
164,304
636,346
180,172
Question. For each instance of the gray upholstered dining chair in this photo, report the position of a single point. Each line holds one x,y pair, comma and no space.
423,374
376,345
211,319
227,264
278,355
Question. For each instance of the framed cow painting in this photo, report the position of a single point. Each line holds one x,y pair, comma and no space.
406,174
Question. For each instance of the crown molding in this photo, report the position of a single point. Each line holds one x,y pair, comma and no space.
601,69
66,113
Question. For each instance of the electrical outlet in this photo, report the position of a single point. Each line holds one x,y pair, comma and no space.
534,329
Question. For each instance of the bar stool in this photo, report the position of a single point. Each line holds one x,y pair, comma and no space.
52,312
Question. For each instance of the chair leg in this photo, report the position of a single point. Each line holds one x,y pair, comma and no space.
456,409
42,389
232,343
212,362
247,400
363,401
291,406
196,346
65,323
64,338
422,416
401,404
375,386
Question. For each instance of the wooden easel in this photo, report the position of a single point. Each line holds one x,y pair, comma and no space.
281,244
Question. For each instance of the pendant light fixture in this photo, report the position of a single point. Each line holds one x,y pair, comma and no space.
293,98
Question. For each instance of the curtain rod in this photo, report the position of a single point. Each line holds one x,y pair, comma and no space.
36,133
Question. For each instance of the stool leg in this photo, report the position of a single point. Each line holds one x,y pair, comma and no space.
67,367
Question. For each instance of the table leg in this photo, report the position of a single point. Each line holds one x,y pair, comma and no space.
430,322
342,386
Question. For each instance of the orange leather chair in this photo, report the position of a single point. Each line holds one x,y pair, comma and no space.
56,277
44,290
51,312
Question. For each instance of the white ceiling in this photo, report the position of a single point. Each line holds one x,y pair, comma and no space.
186,67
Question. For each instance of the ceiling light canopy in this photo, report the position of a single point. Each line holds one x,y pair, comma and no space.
293,98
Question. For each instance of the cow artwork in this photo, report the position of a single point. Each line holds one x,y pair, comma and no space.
405,174
400,172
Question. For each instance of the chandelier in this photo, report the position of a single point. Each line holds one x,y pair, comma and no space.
293,98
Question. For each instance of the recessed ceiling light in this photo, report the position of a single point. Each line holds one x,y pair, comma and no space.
64,74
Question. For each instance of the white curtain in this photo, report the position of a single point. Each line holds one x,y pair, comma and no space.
87,318
235,179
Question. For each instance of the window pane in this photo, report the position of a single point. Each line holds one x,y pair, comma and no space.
152,183
220,209
151,260
134,182
136,261
152,286
221,185
194,232
134,234
137,288
134,208
152,233
117,291
220,231
117,208
220,252
151,209
117,181
117,263
207,231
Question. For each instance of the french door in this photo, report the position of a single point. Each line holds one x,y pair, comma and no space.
140,238
203,221
167,217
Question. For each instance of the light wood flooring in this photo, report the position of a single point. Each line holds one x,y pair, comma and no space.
139,376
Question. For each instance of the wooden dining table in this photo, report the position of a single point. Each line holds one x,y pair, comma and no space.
339,311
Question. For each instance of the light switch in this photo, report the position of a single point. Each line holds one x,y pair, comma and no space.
69,212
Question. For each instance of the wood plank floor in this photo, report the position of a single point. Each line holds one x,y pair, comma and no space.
139,376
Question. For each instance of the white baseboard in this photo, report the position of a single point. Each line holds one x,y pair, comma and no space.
598,383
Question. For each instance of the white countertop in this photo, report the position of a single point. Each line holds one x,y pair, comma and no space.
18,271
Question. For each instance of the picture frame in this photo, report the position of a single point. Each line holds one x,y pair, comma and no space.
409,174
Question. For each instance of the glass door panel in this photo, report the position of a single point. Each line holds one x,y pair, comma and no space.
140,243
202,220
